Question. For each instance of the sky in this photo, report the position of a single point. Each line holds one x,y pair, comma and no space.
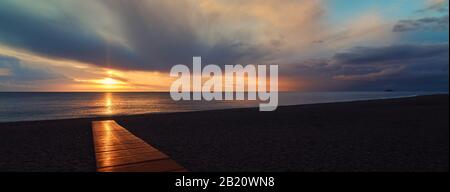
130,45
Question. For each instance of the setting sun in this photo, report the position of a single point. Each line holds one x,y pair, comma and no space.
109,81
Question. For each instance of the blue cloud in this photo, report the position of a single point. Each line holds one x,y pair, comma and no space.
156,42
18,72
63,37
427,23
400,67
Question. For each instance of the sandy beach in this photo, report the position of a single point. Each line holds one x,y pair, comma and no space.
406,134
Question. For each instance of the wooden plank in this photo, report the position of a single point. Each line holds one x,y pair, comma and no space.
118,150
163,165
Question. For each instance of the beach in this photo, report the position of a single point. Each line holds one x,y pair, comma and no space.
403,134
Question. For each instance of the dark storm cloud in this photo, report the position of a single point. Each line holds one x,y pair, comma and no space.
401,67
164,35
61,38
19,72
368,55
428,23
159,36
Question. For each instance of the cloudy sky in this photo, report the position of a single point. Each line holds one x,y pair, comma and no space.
130,45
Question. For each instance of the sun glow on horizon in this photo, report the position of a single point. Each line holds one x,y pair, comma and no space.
110,81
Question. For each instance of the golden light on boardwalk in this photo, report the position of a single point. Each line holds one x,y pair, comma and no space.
118,150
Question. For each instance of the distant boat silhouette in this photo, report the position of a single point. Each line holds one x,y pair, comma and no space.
388,90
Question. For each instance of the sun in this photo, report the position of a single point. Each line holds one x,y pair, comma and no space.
109,81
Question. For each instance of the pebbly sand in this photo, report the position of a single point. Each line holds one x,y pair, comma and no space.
408,134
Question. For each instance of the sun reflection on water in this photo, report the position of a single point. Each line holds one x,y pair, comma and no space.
108,103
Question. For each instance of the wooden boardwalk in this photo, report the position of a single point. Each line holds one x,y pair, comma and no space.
118,150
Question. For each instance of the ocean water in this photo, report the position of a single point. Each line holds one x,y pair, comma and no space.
44,106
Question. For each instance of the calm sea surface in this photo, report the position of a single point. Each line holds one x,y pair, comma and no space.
42,106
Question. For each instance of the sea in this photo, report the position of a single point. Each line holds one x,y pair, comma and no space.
30,106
